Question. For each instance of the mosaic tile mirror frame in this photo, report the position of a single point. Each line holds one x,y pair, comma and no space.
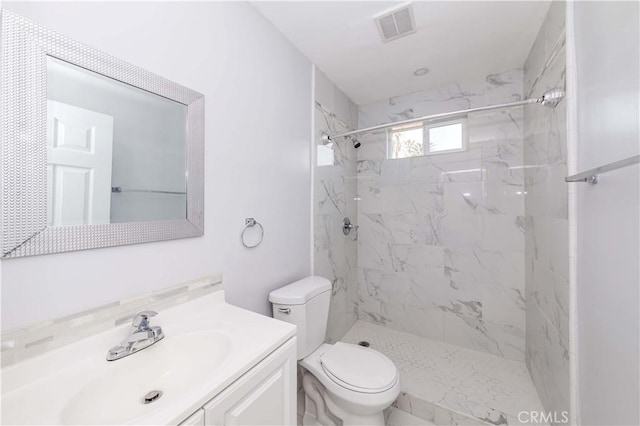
26,228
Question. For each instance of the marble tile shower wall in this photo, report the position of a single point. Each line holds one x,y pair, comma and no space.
441,239
334,199
547,224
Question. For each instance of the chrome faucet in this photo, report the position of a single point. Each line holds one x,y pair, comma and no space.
141,336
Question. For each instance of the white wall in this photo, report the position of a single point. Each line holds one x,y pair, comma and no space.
257,88
607,55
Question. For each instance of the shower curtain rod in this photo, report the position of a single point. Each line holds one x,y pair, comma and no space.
550,98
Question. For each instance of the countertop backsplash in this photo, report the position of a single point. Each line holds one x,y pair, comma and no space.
18,345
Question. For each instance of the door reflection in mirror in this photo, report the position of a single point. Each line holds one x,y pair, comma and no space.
115,153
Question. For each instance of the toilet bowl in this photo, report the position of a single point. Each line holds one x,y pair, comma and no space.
358,382
342,381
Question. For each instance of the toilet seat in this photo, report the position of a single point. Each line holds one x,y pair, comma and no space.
352,397
358,368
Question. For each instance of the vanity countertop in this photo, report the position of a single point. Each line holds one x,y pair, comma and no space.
208,345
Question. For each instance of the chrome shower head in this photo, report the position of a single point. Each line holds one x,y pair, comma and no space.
327,141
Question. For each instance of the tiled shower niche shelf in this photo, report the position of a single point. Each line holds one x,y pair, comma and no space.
450,385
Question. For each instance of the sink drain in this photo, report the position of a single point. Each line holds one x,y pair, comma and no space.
364,343
151,396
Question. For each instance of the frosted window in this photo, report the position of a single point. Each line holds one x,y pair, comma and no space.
445,138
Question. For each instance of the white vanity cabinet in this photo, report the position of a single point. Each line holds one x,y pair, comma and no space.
265,395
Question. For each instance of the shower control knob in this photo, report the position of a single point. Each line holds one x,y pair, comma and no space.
347,226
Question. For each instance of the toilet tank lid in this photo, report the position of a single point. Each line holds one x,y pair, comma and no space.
301,291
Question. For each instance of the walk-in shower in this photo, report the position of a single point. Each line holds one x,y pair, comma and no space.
439,262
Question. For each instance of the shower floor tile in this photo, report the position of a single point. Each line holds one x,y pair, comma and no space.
450,385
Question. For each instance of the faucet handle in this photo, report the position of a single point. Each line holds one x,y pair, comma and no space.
141,320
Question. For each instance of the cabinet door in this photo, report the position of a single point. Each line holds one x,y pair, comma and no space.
265,395
197,419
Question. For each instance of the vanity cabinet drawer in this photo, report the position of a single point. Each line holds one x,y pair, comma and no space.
197,419
265,395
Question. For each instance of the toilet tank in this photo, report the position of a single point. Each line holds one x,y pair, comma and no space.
304,303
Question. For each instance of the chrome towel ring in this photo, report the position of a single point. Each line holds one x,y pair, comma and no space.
250,223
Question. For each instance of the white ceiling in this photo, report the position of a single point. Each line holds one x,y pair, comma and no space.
456,40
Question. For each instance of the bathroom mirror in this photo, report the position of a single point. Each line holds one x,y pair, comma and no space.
115,153
96,152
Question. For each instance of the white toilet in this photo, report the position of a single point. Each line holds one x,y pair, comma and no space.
342,382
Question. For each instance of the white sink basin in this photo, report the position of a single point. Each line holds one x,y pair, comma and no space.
170,366
208,345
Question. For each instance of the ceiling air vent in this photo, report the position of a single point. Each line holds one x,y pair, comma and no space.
395,24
